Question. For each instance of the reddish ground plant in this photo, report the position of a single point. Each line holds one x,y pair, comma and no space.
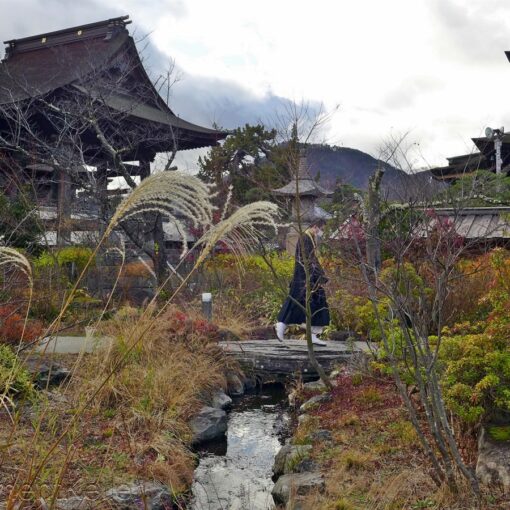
374,460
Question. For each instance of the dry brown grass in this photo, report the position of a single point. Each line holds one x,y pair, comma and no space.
163,377
136,424
230,317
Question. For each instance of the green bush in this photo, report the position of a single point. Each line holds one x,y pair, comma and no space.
54,273
79,255
15,381
476,357
476,376
258,290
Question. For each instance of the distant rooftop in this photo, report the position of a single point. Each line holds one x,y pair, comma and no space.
105,29
474,223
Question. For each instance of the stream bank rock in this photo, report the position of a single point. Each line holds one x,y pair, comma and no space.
493,465
305,418
296,484
316,385
289,457
46,372
210,423
149,495
220,400
235,386
250,384
314,402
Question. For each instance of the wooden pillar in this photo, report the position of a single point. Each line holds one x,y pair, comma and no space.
102,195
64,201
145,169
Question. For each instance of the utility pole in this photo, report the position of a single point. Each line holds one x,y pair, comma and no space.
497,136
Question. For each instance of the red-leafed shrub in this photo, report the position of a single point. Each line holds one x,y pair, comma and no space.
13,327
180,324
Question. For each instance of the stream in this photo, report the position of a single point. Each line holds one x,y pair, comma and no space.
235,474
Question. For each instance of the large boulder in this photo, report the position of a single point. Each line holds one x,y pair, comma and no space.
295,485
210,423
147,495
493,465
289,457
220,400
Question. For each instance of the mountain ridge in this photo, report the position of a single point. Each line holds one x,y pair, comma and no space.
345,165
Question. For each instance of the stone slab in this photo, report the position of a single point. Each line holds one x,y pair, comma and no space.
270,359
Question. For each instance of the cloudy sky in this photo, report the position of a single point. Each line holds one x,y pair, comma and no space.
436,68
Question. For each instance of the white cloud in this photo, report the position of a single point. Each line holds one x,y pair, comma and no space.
435,67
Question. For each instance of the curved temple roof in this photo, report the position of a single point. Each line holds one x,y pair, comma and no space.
39,65
303,183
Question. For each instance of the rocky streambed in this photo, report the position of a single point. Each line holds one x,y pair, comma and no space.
235,472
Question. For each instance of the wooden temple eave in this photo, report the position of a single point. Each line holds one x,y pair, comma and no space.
84,57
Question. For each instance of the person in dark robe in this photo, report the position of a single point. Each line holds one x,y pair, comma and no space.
293,311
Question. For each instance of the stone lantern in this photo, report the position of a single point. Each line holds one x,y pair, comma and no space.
303,191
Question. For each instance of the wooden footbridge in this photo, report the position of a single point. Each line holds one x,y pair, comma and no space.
273,360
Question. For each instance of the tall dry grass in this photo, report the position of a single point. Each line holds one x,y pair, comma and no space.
161,384
163,379
124,410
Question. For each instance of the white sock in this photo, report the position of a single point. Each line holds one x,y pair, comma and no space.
280,330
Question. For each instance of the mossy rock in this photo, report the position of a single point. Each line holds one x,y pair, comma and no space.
289,457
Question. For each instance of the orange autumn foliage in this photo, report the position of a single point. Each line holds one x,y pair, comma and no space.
13,328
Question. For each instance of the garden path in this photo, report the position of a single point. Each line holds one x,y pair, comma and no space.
71,344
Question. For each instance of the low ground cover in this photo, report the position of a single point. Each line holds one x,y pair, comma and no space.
374,460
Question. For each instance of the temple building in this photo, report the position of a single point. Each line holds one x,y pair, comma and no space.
483,158
77,111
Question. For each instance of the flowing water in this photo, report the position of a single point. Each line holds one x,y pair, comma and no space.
236,474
